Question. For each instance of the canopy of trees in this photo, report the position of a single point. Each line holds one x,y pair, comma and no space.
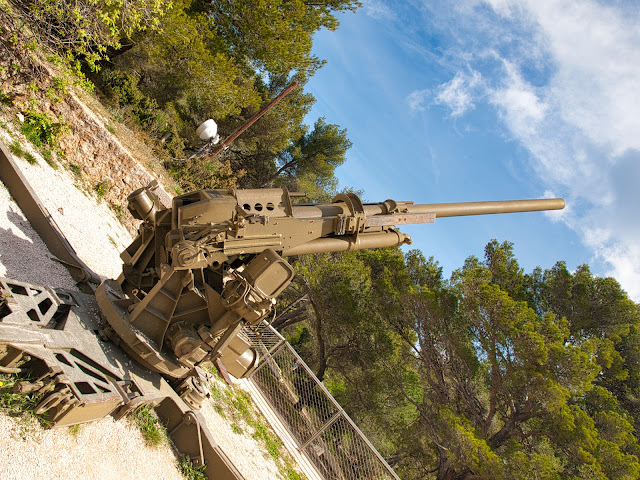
492,374
171,65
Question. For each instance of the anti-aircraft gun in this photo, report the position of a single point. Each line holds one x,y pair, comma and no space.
196,274
213,262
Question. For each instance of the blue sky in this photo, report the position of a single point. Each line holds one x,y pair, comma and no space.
495,100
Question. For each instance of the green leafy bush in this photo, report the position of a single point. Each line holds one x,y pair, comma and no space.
164,124
88,29
42,130
102,188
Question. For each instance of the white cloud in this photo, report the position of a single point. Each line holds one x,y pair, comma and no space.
613,229
623,256
597,52
456,94
519,103
581,124
417,99
378,10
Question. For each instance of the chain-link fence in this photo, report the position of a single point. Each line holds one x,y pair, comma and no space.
320,427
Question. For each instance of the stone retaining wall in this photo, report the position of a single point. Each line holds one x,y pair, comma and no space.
88,144
100,154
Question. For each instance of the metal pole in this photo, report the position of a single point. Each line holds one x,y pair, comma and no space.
252,120
272,350
322,429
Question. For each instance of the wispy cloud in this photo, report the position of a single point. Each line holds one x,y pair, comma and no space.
378,10
457,93
521,106
597,52
417,99
582,126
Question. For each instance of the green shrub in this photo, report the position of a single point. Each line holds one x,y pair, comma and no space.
122,88
47,154
74,430
5,99
153,432
75,169
60,85
121,214
42,130
189,471
102,188
17,150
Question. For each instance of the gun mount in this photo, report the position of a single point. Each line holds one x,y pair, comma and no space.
212,263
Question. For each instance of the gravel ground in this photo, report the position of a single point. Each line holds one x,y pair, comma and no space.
104,449
249,458
23,255
91,227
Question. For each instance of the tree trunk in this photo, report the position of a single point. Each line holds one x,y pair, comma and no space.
322,353
288,319
280,170
288,316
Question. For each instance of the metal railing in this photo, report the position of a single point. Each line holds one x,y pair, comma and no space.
317,423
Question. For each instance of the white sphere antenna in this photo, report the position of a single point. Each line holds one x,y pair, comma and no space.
208,131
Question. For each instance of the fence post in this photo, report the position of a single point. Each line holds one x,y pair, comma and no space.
321,430
268,357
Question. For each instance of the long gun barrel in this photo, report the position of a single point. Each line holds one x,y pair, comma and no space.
440,210
215,225
483,208
390,213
